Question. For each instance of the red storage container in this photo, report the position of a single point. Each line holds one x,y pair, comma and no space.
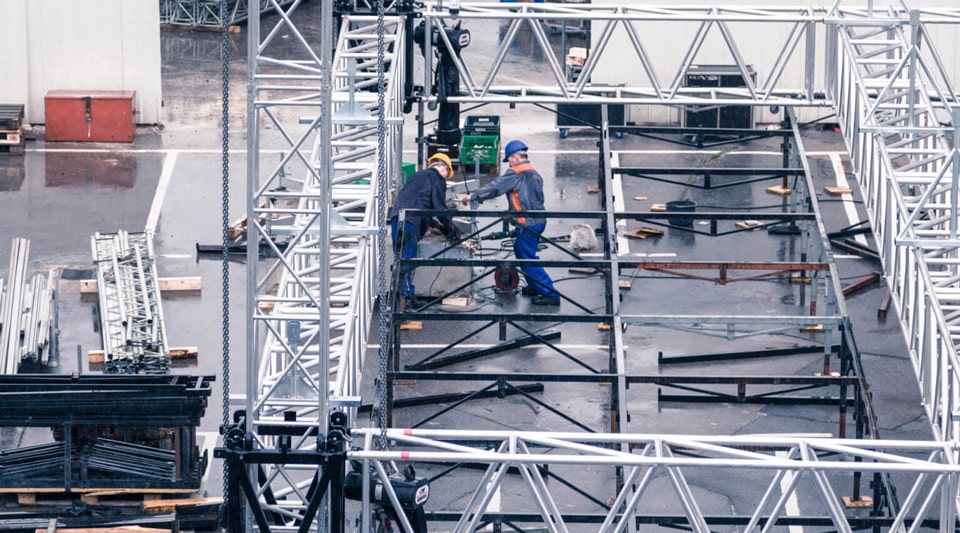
89,116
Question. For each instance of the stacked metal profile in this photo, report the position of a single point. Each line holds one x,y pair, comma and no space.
131,316
26,309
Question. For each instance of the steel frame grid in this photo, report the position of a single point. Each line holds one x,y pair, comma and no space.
206,13
946,16
826,309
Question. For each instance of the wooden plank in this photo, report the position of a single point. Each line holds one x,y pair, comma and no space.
837,191
171,506
456,301
188,352
748,223
179,284
117,529
779,189
658,207
411,325
593,189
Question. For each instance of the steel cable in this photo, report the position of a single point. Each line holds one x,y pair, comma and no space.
225,220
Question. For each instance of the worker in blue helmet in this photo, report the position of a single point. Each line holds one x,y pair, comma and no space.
523,187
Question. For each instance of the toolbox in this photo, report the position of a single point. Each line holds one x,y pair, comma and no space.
89,116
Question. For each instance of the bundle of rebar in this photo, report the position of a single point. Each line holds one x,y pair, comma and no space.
26,313
131,315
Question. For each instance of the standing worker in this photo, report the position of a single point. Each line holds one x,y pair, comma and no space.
523,187
426,189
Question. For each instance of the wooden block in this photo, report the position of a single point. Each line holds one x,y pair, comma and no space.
636,235
170,506
603,326
799,279
658,207
27,498
625,284
779,189
837,191
862,503
640,198
192,283
188,352
748,223
411,325
265,307
815,329
456,301
648,231
593,189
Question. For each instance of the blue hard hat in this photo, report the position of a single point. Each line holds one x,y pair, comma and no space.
512,148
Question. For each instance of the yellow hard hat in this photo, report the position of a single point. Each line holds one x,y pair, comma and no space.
443,158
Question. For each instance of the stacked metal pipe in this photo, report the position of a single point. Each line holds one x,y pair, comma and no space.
26,313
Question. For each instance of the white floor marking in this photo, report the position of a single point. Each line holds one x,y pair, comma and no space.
154,217
849,207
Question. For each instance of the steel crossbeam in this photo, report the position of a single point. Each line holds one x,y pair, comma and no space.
131,314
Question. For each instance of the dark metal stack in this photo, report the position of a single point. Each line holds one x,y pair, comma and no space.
12,140
81,409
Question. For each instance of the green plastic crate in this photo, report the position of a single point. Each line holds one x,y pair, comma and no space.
485,148
408,170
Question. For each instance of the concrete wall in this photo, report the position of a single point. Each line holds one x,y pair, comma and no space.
80,45
758,43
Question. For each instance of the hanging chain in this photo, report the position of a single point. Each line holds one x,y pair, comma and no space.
385,310
225,218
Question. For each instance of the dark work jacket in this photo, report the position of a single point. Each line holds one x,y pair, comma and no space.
425,189
523,187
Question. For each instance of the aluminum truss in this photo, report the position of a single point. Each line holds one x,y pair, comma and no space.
893,97
312,307
663,468
132,328
206,13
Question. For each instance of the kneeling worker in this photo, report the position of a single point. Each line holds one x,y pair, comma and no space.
426,189
523,187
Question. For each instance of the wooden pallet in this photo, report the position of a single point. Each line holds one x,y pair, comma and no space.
114,497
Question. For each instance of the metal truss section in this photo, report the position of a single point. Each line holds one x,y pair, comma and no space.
312,305
482,84
206,13
658,472
892,97
132,327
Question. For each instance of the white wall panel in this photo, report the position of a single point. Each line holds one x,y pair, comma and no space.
82,45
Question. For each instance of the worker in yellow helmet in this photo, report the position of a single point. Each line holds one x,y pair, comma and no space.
426,189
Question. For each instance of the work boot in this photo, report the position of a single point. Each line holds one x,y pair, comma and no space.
546,299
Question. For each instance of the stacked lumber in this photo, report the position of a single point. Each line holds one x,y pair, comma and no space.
12,140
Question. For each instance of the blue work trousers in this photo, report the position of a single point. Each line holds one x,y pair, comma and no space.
525,247
406,246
